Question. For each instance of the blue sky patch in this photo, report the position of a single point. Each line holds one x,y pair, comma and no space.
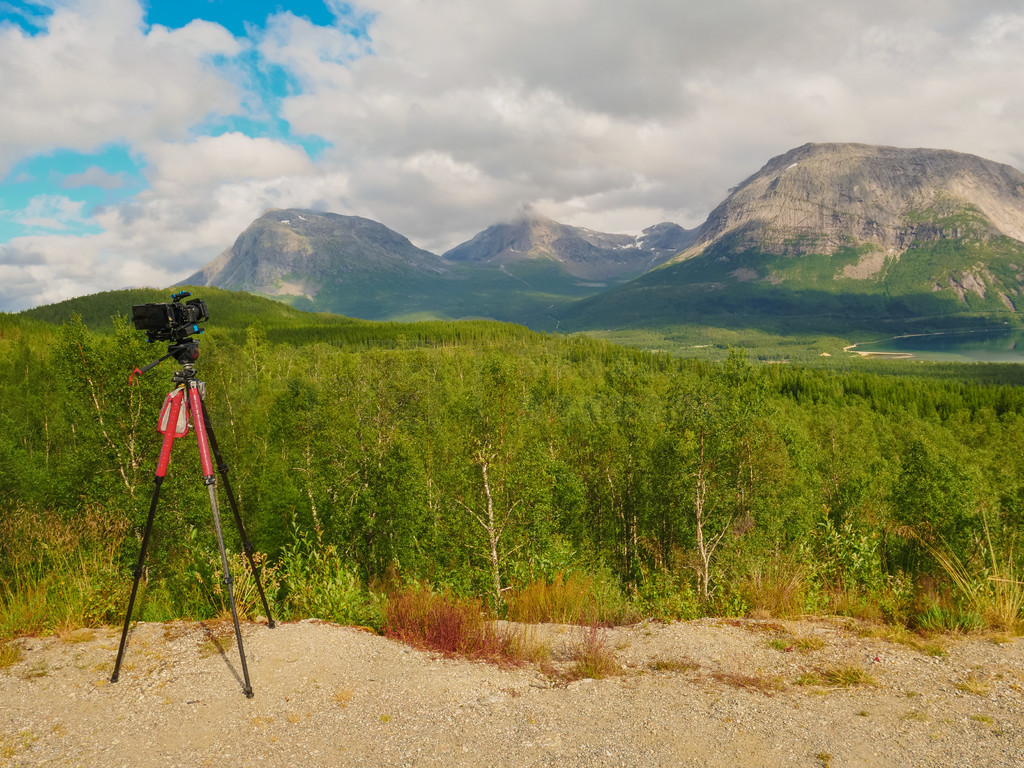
234,15
57,192
31,17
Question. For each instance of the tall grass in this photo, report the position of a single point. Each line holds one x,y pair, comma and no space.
59,574
994,592
571,599
247,597
592,658
778,588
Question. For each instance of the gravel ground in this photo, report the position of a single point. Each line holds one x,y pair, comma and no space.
700,693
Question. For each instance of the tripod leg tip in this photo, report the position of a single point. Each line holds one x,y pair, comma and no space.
113,678
248,693
271,624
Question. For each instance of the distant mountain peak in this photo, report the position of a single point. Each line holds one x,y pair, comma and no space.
818,198
582,252
295,252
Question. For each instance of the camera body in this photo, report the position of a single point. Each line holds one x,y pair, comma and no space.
172,321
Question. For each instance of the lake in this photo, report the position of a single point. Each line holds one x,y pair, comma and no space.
955,347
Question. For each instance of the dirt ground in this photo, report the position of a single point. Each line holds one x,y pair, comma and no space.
819,692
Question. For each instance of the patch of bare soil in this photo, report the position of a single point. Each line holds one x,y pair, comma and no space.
700,693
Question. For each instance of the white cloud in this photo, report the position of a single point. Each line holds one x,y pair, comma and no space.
638,112
53,212
94,176
452,113
96,77
214,160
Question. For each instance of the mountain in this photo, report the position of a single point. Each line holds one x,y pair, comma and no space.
841,236
582,253
515,272
301,256
820,198
826,237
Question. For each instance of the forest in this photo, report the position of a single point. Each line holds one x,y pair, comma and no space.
481,460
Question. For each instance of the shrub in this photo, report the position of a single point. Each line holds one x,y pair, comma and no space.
449,625
668,596
317,584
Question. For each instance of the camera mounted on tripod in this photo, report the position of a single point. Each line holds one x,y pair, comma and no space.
174,322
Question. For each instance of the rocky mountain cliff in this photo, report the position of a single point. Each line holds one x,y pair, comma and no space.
819,198
843,236
825,235
583,253
349,265
299,252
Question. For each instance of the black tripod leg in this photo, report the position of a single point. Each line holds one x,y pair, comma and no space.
199,422
229,582
158,481
222,467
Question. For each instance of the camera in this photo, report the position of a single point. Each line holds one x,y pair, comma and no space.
170,322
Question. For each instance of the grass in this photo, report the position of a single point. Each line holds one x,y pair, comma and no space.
899,634
998,595
974,685
63,574
801,643
592,658
837,676
769,685
343,696
10,654
847,675
775,589
674,664
571,599
10,745
247,599
39,669
452,626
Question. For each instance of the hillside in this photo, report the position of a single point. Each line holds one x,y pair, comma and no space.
513,272
839,237
833,238
822,198
582,253
312,259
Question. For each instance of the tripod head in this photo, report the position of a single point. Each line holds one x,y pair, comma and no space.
185,352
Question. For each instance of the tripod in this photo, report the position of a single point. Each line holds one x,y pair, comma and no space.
185,400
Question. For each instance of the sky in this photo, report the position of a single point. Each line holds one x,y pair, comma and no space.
139,138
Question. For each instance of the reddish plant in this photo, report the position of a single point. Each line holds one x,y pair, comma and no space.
447,624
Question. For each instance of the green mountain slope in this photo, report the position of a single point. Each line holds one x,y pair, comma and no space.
835,238
353,266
